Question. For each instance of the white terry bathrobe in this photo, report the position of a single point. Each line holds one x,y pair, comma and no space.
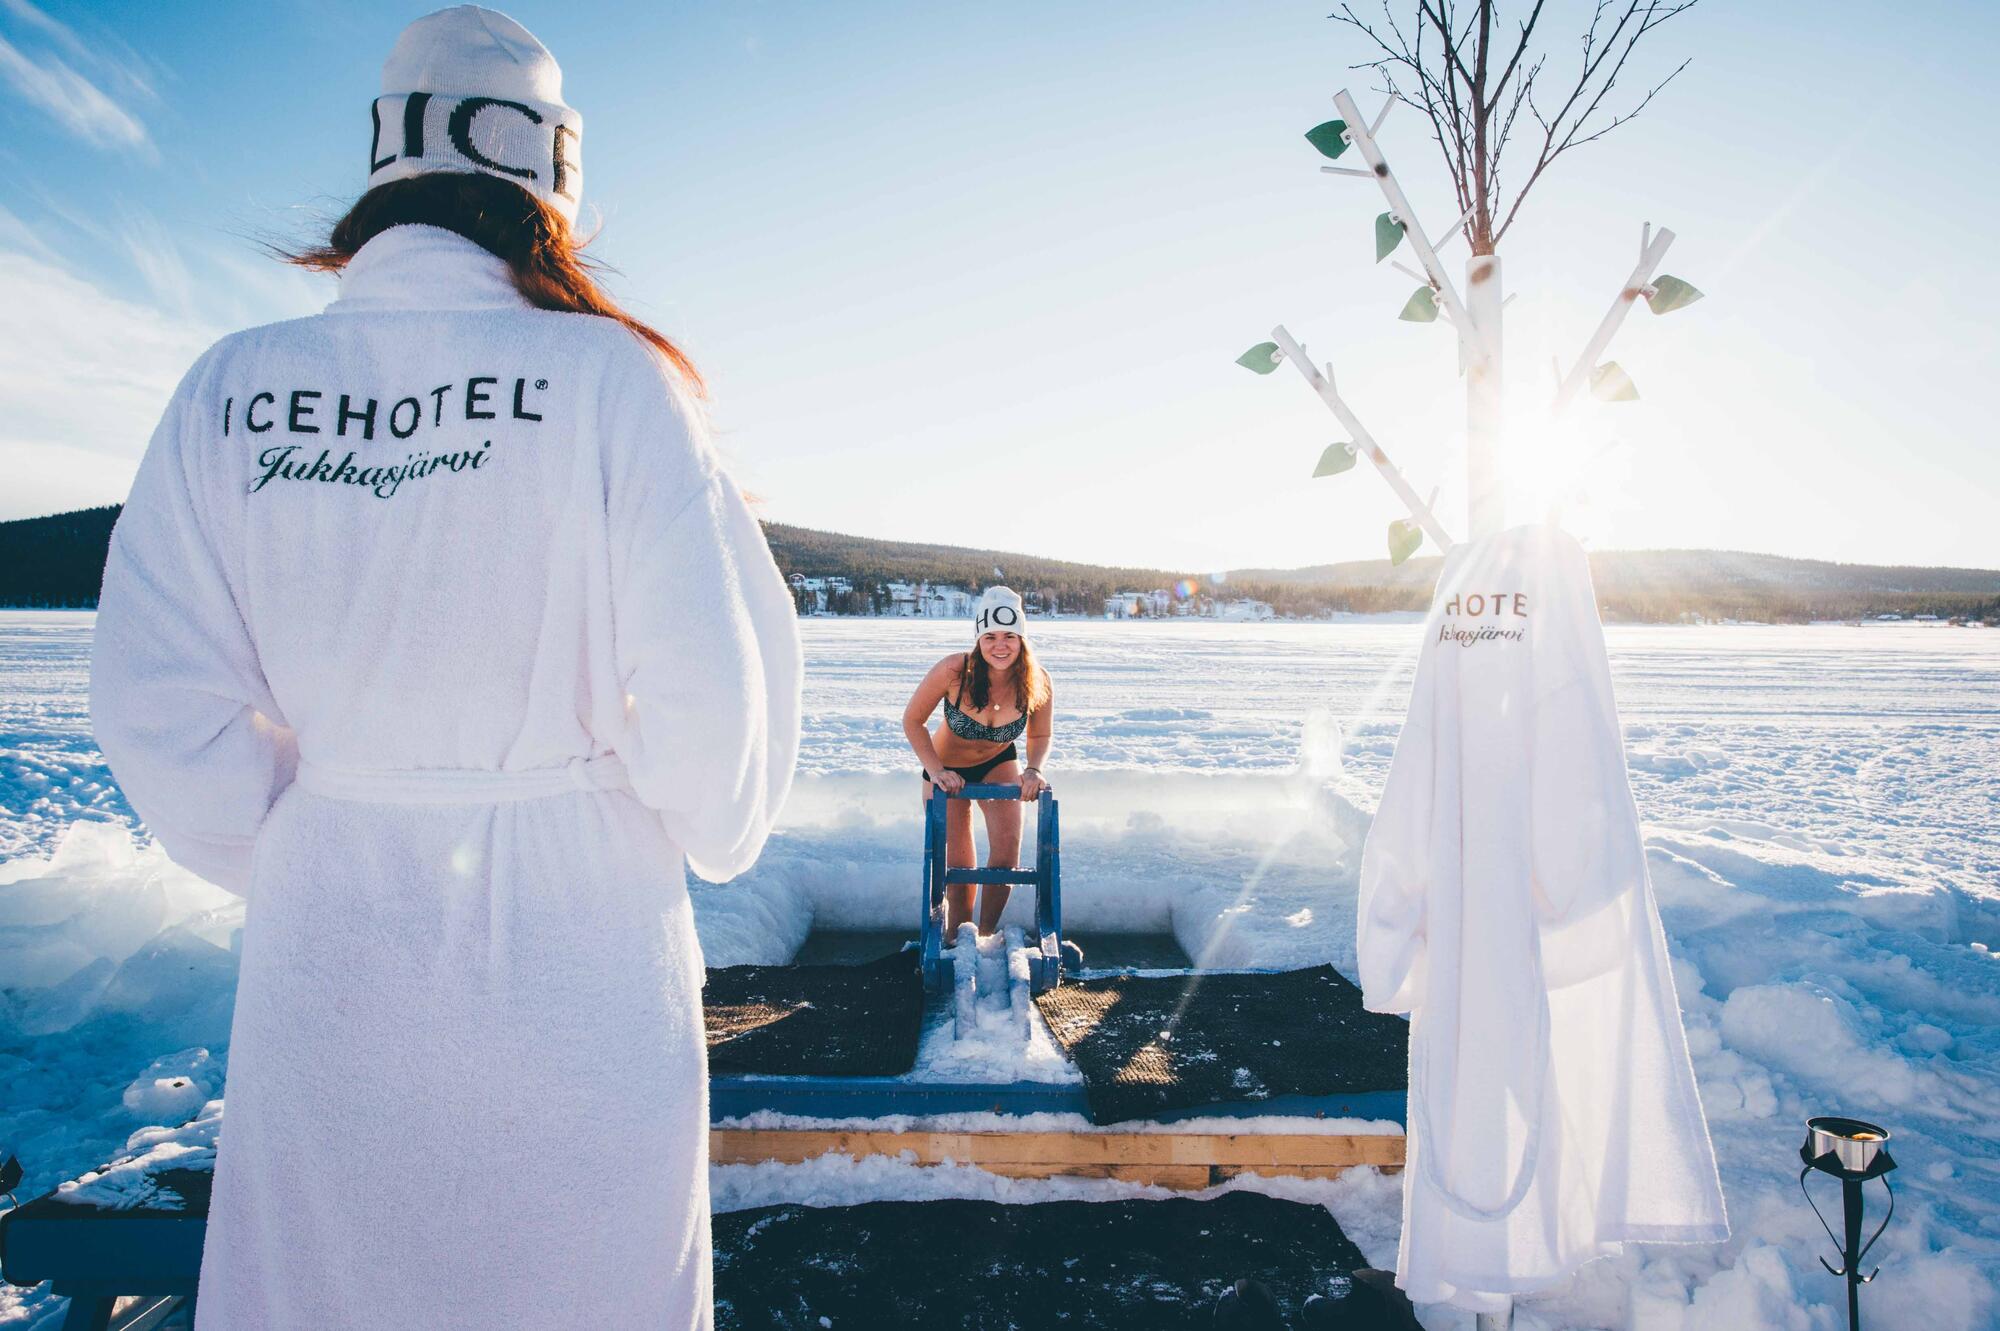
1505,906
468,567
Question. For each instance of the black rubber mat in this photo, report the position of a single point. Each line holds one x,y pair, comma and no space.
1148,1044
825,1021
943,1265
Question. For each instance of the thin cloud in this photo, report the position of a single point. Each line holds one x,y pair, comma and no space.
94,359
18,235
45,80
88,370
158,260
105,54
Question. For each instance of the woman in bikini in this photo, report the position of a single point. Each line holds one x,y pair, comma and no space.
993,695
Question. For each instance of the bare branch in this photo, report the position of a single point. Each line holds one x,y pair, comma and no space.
1438,104
1444,64
1520,49
1558,139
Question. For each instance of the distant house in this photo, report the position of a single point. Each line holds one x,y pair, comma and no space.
1133,605
927,600
943,602
1244,609
815,596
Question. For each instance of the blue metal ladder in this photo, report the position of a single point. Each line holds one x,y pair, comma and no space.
1045,961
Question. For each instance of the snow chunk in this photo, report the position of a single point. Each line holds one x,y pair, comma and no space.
134,1181
174,1087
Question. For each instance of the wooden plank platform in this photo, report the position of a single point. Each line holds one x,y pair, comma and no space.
1183,1161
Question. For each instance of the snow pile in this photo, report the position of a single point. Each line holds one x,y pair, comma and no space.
135,1181
1360,1198
174,1089
985,1121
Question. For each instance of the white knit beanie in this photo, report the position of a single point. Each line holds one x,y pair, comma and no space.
999,611
468,89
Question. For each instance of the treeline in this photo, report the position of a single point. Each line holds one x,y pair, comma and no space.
58,561
55,562
870,565
1778,607
1672,586
1051,584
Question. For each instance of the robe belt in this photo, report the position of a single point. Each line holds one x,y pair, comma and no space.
461,785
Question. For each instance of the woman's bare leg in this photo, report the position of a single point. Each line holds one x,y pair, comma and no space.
1003,844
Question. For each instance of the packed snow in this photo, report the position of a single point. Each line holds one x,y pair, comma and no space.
1822,817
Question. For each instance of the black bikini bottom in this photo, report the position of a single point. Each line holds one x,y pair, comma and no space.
977,772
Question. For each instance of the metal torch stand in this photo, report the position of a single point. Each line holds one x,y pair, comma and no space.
1852,1250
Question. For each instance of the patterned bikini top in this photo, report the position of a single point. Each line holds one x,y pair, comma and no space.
968,727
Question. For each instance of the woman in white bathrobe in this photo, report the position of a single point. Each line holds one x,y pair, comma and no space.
434,628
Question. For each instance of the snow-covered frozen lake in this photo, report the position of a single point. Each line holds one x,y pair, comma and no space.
1822,808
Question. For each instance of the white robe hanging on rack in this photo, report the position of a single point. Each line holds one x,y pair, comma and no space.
1505,906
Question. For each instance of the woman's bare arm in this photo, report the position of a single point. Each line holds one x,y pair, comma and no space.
917,713
1041,734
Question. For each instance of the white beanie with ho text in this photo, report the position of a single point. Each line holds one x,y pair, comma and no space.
999,610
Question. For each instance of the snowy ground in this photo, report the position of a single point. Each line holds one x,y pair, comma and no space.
1822,807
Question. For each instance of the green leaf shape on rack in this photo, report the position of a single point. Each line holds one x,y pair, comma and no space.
1421,308
1388,235
1329,138
1405,539
1672,293
1261,359
1336,459
1610,383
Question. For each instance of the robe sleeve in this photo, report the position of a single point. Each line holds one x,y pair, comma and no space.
706,634
178,699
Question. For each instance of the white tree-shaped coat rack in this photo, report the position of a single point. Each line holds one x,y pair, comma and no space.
1476,317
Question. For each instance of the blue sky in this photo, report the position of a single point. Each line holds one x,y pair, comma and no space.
976,273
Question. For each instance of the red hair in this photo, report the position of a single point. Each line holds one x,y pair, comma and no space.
547,259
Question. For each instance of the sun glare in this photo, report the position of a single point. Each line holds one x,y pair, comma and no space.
1557,468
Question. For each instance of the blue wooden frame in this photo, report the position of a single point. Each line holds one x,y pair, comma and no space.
94,1257
1045,965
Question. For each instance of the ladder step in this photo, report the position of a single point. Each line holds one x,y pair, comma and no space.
991,876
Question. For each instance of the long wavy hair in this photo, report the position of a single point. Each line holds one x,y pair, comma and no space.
546,256
1031,683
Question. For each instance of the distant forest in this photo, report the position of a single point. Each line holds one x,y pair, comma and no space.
1054,584
54,562
58,561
